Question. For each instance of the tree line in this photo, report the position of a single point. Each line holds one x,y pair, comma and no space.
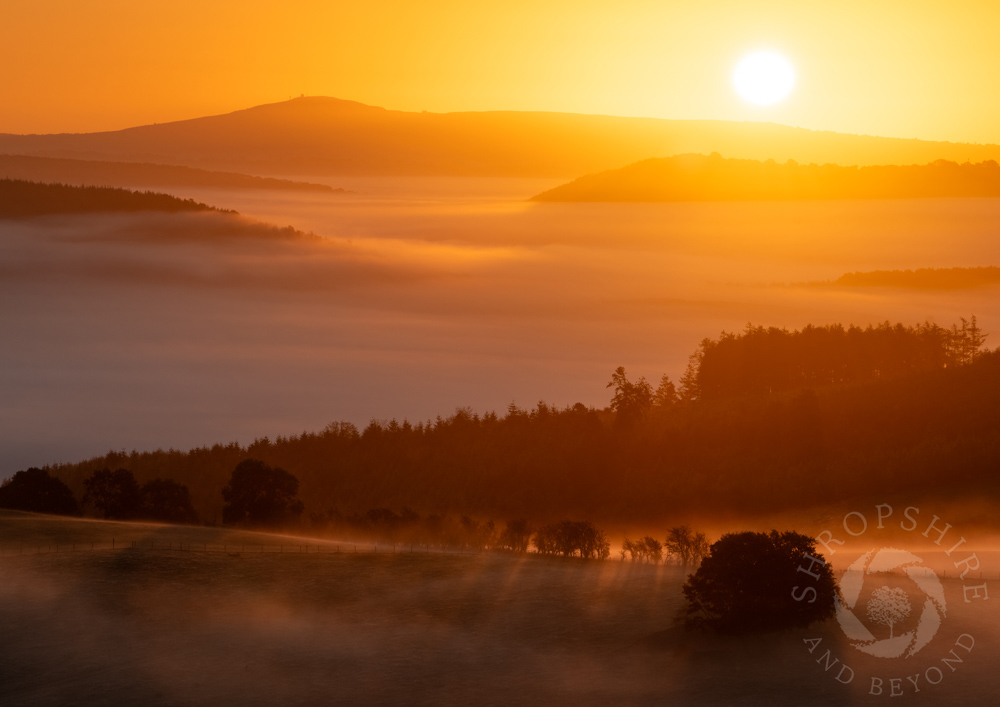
20,198
920,410
259,496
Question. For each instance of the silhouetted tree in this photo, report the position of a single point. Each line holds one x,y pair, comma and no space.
261,495
666,393
685,545
631,400
690,389
646,549
515,536
965,342
167,501
114,494
35,490
569,538
752,582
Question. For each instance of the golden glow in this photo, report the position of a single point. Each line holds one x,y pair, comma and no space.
764,77
904,68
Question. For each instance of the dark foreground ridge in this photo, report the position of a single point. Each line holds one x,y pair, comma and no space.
715,178
22,199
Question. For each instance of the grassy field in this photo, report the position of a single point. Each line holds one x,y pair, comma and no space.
148,623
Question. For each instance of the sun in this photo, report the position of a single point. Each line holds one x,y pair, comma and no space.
764,78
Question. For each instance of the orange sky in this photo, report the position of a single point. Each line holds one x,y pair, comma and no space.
913,68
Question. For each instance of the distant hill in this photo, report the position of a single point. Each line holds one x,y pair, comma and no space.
328,136
21,199
715,178
132,174
924,278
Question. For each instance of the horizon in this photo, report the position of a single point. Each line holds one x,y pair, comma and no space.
293,99
635,60
542,352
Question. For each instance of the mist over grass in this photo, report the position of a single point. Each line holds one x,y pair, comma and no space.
162,627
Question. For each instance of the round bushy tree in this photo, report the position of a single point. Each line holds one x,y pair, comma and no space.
114,494
753,582
35,490
260,495
167,501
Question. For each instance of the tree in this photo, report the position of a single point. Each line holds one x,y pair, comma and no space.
114,494
647,549
888,606
167,501
690,389
571,537
261,495
515,536
752,582
35,490
666,393
966,341
631,400
685,545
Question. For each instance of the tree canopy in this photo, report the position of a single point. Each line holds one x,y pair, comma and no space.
114,494
261,495
760,582
167,501
35,490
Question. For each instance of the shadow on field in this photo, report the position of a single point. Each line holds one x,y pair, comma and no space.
167,626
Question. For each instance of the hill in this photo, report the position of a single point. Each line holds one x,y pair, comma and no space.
22,199
714,178
851,440
319,135
923,278
139,174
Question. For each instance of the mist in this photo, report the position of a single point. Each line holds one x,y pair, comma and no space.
409,299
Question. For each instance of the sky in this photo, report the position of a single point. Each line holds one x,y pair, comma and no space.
913,68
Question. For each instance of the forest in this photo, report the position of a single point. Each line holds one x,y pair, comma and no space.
712,177
22,199
760,422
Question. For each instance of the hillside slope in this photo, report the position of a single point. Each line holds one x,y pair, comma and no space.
714,178
139,174
319,135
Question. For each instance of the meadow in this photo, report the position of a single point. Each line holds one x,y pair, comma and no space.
309,625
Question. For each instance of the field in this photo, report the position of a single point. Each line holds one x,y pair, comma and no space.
267,619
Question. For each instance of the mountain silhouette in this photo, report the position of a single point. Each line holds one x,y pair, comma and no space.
329,136
139,174
715,178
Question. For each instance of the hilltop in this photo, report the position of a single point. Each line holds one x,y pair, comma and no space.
23,199
320,135
140,174
715,178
